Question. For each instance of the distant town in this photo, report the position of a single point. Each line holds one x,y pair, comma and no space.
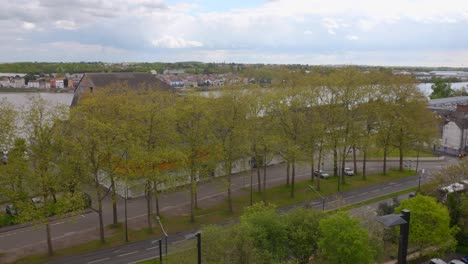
193,75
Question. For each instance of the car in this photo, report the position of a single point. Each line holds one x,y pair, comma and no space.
464,259
456,261
348,171
437,261
10,209
322,174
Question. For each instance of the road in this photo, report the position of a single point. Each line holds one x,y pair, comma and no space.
83,227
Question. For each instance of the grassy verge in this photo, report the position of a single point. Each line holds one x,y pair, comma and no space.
279,195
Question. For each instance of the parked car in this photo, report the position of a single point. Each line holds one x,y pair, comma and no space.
437,261
321,174
456,261
348,171
11,210
464,259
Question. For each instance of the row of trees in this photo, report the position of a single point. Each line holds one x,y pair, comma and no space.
154,140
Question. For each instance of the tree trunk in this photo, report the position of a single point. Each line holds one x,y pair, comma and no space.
355,161
401,158
343,164
99,211
264,181
385,161
148,205
259,179
364,164
335,162
288,165
319,167
312,165
156,198
293,176
50,250
114,201
229,188
193,182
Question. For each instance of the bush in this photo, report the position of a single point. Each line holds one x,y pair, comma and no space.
6,220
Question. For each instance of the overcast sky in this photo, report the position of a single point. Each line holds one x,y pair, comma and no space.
372,32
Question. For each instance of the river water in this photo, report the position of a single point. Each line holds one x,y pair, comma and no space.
21,99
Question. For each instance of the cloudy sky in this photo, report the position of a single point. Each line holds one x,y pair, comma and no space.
373,32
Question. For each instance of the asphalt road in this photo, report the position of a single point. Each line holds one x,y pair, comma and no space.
83,227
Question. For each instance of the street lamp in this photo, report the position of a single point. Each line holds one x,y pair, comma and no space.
323,198
403,221
164,231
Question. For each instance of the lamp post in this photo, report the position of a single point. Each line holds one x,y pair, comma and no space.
403,221
323,198
126,219
160,249
165,234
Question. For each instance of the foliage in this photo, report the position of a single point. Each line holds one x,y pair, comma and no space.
441,89
302,228
344,240
264,226
429,223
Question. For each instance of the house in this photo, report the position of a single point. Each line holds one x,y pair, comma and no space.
454,112
134,80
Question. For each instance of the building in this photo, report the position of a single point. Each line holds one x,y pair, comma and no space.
454,112
134,80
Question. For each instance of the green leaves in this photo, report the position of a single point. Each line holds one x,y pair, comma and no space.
429,223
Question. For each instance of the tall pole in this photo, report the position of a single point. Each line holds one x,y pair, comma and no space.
323,198
199,247
404,233
160,251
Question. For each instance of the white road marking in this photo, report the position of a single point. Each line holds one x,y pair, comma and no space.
397,184
376,190
386,187
152,248
129,253
99,260
68,234
361,194
59,223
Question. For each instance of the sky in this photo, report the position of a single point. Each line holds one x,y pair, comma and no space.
327,32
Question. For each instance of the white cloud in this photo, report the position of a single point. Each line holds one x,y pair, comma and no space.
331,25
29,26
172,42
352,37
65,24
308,32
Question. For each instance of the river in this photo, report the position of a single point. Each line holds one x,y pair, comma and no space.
21,99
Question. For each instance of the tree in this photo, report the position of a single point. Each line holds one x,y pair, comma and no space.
441,89
344,240
429,224
8,124
196,142
267,230
229,128
43,127
302,228
153,136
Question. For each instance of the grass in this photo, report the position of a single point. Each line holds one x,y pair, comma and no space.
279,195
394,153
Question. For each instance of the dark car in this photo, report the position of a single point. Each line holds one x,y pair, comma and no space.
464,259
